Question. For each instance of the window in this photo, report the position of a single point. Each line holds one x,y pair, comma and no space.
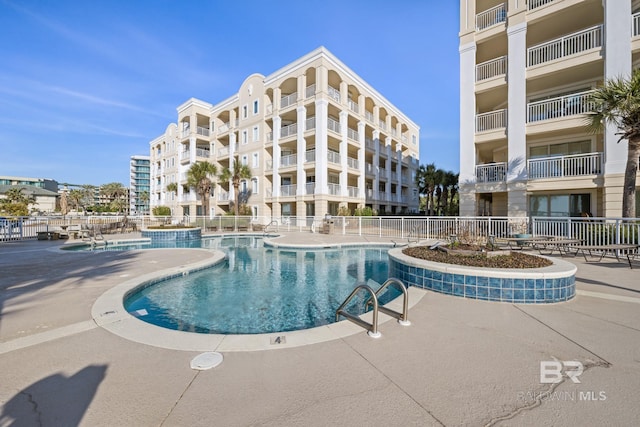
413,139
245,111
560,205
562,149
255,107
245,137
255,160
254,185
256,133
243,186
244,160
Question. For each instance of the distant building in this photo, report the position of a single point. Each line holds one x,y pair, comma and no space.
527,69
47,184
314,134
139,185
45,201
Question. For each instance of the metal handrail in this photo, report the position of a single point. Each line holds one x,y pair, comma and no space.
372,328
274,222
403,318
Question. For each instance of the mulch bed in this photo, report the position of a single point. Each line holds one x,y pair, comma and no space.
509,260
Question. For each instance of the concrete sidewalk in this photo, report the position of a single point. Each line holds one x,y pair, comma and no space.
461,362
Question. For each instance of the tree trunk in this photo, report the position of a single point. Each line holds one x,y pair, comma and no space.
629,190
236,193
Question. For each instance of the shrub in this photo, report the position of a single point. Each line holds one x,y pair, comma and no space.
366,211
162,211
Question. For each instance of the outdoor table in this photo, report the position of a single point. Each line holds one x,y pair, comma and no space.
561,245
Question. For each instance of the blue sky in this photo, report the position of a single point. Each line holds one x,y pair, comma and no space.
84,85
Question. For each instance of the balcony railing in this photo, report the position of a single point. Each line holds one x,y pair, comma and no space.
270,136
565,166
491,17
185,155
185,132
635,24
352,134
368,168
534,4
333,157
494,172
369,143
224,151
310,123
368,116
288,190
382,124
571,44
290,160
223,196
310,187
562,106
333,125
353,191
491,120
310,156
352,162
334,189
334,93
290,130
493,68
353,106
310,91
288,100
200,130
201,152
223,128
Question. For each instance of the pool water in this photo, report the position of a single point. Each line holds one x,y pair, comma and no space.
261,289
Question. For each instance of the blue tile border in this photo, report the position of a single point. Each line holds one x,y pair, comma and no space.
538,286
172,235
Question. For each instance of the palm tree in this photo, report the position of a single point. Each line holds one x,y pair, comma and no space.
116,192
235,175
172,187
76,197
199,177
426,182
617,103
15,202
144,198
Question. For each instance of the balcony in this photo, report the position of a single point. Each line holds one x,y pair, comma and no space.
288,100
333,157
333,125
290,130
310,123
369,116
203,152
290,160
185,156
203,131
494,172
288,190
310,156
568,45
353,191
491,120
490,69
334,189
352,162
635,24
333,94
310,91
369,143
310,187
573,165
223,128
491,17
224,151
223,196
353,106
534,4
562,106
352,134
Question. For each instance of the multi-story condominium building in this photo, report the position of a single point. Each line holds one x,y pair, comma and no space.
139,188
527,69
47,184
315,136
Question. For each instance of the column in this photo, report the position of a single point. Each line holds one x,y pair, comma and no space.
344,152
399,172
322,112
617,63
516,120
467,129
276,156
300,148
376,163
387,143
361,161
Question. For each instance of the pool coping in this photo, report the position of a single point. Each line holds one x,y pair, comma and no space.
108,312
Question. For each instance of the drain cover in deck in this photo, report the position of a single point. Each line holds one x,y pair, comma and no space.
205,361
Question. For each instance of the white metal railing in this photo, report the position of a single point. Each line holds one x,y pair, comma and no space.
353,191
334,189
310,156
270,136
223,196
491,17
369,168
185,132
571,44
493,68
290,130
635,24
310,123
185,155
333,125
310,91
237,122
353,106
352,134
201,130
288,190
268,164
224,151
223,127
382,124
368,115
333,157
352,162
287,100
333,93
561,106
202,152
565,166
534,4
394,132
290,160
369,143
310,187
491,120
494,172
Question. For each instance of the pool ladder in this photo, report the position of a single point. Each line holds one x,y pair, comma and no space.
372,328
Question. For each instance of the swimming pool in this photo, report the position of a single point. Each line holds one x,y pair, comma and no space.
260,289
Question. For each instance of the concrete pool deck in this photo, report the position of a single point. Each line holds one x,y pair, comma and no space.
460,362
